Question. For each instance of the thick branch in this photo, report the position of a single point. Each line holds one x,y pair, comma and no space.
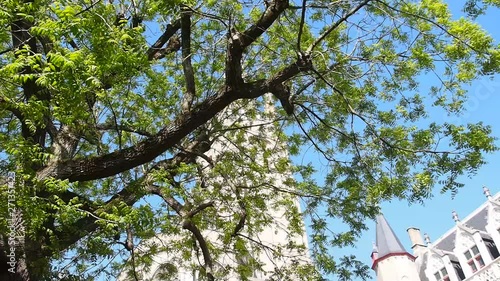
233,70
133,192
65,143
272,12
203,245
303,64
21,38
238,42
173,45
190,93
281,91
169,32
145,151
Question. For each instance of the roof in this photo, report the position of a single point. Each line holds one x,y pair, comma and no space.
476,221
387,241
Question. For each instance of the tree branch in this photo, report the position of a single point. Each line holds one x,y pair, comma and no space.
8,105
130,194
238,42
243,214
125,128
199,208
143,152
336,24
148,149
189,225
21,38
272,12
233,69
169,32
173,45
187,99
301,25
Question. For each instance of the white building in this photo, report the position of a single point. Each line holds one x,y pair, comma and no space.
277,249
469,251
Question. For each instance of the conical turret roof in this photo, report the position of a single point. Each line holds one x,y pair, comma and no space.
387,241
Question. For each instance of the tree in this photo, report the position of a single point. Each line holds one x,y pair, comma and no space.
106,105
474,8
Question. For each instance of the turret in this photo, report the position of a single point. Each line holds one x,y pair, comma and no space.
392,262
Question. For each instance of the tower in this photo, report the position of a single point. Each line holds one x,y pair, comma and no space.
276,247
391,261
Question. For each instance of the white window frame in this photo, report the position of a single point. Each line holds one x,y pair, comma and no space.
442,275
474,259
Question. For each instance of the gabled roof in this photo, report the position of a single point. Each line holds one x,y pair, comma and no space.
476,221
387,241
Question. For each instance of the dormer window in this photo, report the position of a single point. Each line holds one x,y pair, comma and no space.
474,259
492,247
442,275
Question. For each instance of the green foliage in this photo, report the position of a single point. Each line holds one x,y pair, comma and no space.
81,86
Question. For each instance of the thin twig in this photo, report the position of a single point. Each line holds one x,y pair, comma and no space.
433,23
88,8
336,24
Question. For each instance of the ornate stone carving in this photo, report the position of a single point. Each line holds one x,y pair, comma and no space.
463,241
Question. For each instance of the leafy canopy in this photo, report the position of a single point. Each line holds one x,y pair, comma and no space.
128,120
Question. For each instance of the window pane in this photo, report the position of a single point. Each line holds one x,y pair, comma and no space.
438,277
475,250
473,266
444,272
468,256
480,261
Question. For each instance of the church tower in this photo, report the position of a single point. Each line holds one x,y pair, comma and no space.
277,248
391,261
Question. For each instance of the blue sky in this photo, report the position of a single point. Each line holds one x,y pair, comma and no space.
434,217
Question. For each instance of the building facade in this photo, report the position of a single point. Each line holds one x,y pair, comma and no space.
469,251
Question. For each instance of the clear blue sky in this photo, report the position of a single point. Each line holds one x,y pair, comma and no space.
435,216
